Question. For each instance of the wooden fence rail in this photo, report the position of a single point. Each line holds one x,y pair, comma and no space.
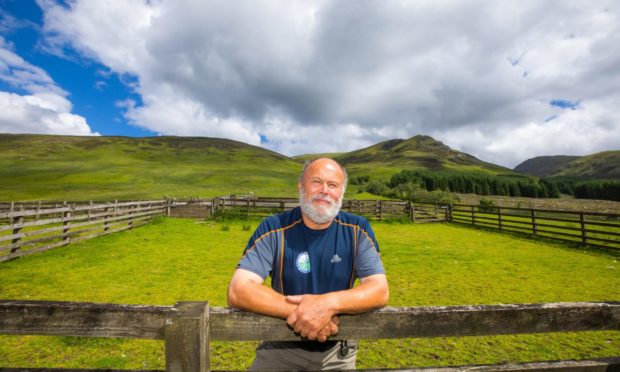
188,327
27,229
595,229
262,207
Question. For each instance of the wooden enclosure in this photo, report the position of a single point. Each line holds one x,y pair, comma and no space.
188,327
27,228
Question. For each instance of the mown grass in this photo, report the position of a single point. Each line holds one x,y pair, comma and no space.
172,260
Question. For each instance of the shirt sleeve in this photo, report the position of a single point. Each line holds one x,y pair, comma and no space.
367,260
260,253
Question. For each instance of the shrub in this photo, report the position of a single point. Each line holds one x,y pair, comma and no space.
487,206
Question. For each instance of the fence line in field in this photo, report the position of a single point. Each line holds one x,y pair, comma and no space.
31,227
188,327
595,229
27,228
262,207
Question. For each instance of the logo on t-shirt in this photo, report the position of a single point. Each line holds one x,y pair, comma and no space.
303,262
336,259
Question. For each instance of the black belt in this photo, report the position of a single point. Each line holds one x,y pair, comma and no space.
312,346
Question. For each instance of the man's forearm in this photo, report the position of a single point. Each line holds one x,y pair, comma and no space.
313,312
260,299
371,294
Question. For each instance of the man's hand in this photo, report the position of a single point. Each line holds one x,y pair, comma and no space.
330,330
313,318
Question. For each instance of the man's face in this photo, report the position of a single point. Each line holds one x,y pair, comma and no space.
320,192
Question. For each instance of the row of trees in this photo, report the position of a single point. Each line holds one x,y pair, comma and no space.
408,184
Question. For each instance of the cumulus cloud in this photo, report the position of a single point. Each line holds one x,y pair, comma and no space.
307,76
43,108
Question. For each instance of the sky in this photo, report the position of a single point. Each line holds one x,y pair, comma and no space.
504,81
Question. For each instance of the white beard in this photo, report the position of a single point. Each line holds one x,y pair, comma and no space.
319,215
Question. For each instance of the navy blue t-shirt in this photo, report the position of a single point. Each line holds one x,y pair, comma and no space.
305,261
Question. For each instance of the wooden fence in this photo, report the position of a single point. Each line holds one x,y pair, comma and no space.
262,207
27,228
595,229
188,327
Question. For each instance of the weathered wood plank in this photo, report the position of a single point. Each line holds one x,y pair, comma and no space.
187,338
79,208
21,253
95,217
83,319
444,321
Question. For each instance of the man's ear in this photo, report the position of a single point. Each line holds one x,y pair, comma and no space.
299,187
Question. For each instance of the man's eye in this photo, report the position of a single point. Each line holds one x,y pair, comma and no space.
332,185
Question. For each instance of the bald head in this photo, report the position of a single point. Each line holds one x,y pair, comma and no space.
328,164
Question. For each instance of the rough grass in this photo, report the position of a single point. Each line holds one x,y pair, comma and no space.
171,260
37,167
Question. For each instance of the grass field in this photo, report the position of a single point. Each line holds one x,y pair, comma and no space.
171,260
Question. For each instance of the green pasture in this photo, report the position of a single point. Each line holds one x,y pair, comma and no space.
172,260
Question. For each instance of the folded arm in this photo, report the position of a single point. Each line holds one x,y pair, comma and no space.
313,312
247,292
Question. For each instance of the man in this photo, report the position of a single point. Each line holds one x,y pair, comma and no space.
313,254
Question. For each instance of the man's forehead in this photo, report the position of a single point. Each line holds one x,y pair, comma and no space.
326,167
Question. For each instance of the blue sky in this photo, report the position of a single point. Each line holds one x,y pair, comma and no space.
93,89
503,83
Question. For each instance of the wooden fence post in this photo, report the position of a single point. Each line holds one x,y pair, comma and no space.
499,217
187,338
106,221
411,212
583,228
534,228
66,223
473,216
130,209
16,242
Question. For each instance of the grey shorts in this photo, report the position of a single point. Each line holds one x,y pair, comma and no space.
287,356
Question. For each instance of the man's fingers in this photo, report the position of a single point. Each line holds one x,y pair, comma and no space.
291,319
336,320
294,299
333,329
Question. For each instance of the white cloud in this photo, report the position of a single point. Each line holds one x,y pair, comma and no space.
43,113
43,109
332,76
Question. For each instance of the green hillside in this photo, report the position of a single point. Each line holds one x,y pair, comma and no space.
602,165
422,153
42,167
542,166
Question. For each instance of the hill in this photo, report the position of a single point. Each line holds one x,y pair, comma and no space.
44,167
35,167
543,166
422,153
602,165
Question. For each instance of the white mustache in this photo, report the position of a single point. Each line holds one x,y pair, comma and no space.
326,198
